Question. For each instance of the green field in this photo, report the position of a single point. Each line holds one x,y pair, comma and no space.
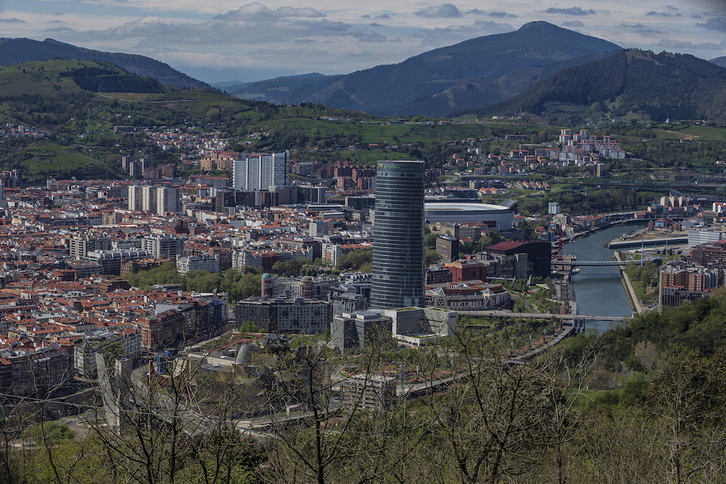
692,131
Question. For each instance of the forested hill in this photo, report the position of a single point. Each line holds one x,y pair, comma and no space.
659,86
17,51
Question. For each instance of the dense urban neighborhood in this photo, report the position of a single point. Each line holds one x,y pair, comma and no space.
521,284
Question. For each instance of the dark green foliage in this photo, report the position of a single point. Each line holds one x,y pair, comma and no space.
238,284
584,201
622,83
18,51
355,259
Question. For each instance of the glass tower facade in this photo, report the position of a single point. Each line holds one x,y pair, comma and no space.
398,231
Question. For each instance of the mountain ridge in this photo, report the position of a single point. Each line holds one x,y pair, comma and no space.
623,83
394,89
20,50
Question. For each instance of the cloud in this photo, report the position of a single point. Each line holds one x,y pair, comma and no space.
257,11
366,36
168,33
457,33
639,29
12,21
653,13
446,10
685,45
671,11
476,11
574,23
718,24
570,11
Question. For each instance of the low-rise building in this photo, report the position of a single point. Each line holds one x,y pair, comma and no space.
285,315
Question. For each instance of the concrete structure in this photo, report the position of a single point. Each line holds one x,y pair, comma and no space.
421,326
163,246
467,296
209,263
358,329
285,315
167,200
447,247
110,260
154,199
126,344
699,237
369,392
134,198
680,282
306,287
519,259
493,216
260,171
81,246
409,326
398,250
114,385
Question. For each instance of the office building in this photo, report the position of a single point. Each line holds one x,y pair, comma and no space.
260,171
398,250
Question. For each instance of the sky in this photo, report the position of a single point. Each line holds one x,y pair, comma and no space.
232,40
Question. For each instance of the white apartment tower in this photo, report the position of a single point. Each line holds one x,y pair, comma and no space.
154,199
260,171
148,198
135,198
167,200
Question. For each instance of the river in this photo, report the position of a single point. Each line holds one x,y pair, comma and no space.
599,290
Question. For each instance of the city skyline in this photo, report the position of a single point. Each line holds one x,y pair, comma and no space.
228,40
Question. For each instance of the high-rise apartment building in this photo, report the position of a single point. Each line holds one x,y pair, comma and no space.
148,198
398,249
167,200
135,198
260,171
154,199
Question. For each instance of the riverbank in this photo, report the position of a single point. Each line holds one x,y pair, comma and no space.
635,302
600,290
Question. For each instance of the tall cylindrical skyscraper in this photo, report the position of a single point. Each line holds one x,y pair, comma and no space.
398,230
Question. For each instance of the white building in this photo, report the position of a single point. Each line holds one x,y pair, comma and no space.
700,237
163,246
167,200
260,171
135,198
197,263
154,199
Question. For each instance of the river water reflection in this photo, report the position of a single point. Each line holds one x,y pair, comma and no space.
599,290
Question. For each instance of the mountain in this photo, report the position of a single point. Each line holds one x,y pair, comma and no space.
284,90
473,73
659,86
17,51
719,61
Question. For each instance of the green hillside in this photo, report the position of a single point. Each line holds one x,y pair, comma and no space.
653,86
